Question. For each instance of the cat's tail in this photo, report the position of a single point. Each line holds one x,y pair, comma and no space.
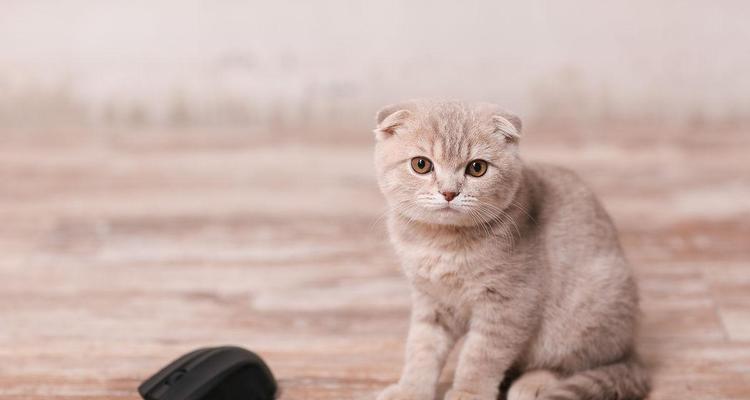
624,380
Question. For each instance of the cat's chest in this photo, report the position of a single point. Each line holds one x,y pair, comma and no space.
447,275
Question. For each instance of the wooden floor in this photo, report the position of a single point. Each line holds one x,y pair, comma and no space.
119,254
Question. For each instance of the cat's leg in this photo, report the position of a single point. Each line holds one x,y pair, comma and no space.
532,384
430,340
496,337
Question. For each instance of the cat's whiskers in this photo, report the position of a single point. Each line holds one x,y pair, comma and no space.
410,208
498,215
380,218
507,234
520,207
489,227
470,202
484,224
502,213
402,207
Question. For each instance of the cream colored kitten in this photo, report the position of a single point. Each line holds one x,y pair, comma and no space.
522,259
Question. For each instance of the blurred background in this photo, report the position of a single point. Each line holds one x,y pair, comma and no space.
176,174
325,66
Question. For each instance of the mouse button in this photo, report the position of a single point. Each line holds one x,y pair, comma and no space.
157,379
202,377
175,377
203,357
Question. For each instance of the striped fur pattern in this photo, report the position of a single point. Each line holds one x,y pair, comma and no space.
523,262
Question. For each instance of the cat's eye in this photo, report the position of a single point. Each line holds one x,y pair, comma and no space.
476,168
421,165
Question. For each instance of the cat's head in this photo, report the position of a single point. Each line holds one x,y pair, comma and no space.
448,162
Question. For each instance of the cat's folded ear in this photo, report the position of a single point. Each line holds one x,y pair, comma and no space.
390,118
507,124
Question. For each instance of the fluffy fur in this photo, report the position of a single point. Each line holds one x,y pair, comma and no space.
524,262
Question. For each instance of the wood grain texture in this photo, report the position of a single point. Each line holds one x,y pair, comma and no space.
117,256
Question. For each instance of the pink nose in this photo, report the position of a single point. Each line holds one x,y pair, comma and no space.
449,195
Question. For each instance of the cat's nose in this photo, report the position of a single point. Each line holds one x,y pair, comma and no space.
449,195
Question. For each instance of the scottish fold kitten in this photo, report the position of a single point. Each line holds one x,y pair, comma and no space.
520,259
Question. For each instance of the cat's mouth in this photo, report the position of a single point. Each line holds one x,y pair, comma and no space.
448,209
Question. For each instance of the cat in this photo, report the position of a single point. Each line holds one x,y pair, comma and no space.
519,258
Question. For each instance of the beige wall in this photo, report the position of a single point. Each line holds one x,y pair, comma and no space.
232,62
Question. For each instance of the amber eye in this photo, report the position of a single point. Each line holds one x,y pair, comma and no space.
421,165
476,168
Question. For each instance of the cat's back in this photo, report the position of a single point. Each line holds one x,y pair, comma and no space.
571,219
557,186
588,276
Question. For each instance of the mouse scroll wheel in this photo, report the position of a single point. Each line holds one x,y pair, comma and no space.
176,376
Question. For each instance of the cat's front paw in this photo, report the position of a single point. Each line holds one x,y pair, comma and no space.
400,392
463,395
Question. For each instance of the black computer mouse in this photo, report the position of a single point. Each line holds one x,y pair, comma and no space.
217,373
